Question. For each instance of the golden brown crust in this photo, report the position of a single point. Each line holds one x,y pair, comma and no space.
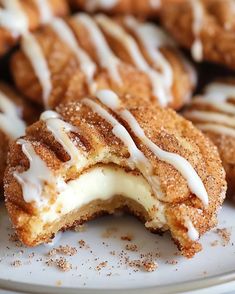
8,40
63,66
216,35
141,8
164,127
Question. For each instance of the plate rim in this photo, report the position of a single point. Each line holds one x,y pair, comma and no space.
192,285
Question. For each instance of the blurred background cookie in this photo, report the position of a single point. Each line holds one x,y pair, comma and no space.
19,17
126,55
213,112
206,27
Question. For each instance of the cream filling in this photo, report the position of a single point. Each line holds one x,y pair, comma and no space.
102,183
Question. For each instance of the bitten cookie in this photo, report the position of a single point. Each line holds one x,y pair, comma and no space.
103,153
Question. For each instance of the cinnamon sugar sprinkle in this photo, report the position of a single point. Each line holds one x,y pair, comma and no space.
16,263
131,247
63,264
65,250
224,234
101,265
128,237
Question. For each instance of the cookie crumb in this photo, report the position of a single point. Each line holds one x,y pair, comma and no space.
83,244
173,262
49,262
101,265
131,247
63,264
65,250
58,283
224,235
16,263
214,243
127,237
150,266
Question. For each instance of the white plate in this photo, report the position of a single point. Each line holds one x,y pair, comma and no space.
214,266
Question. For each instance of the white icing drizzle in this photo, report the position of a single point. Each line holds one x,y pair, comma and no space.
35,177
181,164
222,119
153,38
198,13
155,4
219,92
45,10
221,106
92,5
34,53
10,121
13,17
65,33
106,58
212,117
114,29
60,130
192,232
216,129
137,158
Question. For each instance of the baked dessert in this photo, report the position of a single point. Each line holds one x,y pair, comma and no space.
100,154
214,113
204,26
17,17
142,8
146,65
15,115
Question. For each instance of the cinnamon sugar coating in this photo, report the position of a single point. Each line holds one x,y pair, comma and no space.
27,112
8,39
215,22
66,70
164,127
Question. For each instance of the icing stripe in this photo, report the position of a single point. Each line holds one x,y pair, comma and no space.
192,232
213,117
216,129
198,13
65,33
219,92
155,4
13,17
181,164
92,5
220,106
45,10
59,129
10,122
116,31
34,53
137,158
33,179
222,119
106,58
153,38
